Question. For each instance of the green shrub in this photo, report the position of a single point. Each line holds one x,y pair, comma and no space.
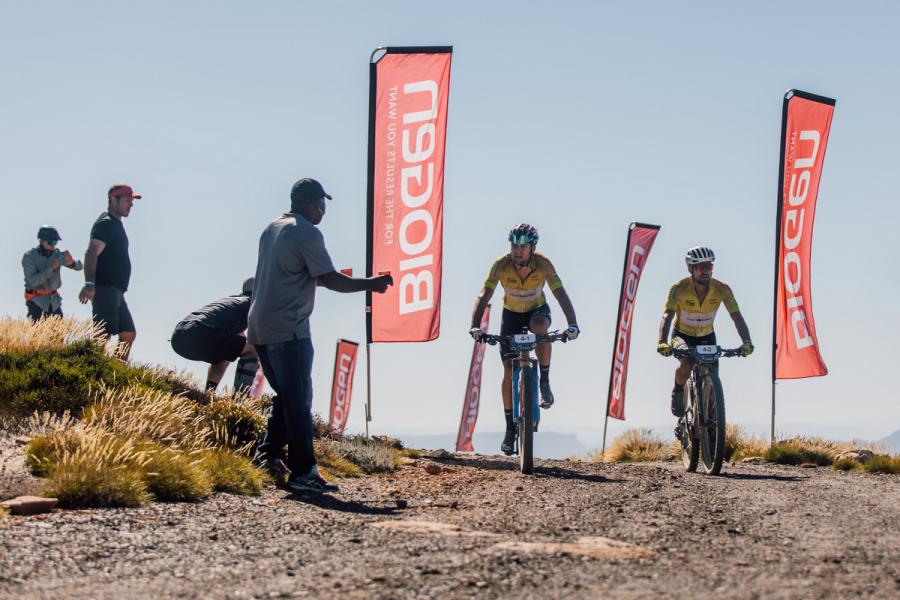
846,464
882,464
791,453
232,473
175,476
332,462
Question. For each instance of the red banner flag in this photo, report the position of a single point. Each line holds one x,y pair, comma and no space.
408,97
473,392
806,122
637,249
342,385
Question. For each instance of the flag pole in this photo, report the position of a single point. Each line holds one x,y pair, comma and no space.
778,216
370,221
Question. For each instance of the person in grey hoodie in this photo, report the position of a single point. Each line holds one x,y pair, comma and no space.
41,266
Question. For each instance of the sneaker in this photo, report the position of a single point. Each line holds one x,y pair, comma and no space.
311,483
508,447
546,394
678,401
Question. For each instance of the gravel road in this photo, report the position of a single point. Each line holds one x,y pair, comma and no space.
480,528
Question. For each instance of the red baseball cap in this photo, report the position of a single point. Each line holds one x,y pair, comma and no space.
122,190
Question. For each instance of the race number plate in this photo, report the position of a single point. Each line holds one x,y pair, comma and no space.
706,349
526,338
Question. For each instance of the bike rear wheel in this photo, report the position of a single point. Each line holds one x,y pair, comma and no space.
690,445
712,427
526,421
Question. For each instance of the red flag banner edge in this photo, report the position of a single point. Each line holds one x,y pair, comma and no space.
815,366
340,408
472,399
615,397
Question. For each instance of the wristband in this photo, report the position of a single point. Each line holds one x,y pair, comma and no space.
91,283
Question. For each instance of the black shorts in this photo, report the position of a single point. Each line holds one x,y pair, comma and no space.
512,323
110,310
195,341
684,341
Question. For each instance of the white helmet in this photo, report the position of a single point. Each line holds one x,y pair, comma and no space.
699,254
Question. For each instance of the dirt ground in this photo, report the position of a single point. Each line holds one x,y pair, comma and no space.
480,528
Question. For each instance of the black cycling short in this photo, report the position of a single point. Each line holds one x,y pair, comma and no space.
195,341
512,323
684,341
110,310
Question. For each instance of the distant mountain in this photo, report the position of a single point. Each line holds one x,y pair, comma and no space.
892,441
547,444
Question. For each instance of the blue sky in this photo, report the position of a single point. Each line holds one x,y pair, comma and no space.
578,119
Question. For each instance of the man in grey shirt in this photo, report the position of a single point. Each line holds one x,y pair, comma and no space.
42,279
292,259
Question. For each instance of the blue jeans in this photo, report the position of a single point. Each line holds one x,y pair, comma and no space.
288,368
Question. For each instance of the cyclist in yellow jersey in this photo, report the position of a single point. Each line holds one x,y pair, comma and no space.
693,303
523,273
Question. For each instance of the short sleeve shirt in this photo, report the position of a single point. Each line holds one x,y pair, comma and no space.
523,295
693,317
227,314
292,255
113,264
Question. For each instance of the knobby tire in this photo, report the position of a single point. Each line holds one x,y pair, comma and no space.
712,433
690,446
526,420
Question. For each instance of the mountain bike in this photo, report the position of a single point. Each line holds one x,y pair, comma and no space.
525,388
703,423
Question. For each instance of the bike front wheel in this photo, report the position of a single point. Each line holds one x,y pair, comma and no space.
690,445
526,421
712,427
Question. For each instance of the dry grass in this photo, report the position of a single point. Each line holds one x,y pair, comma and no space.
233,474
173,475
52,333
3,513
637,445
741,444
881,463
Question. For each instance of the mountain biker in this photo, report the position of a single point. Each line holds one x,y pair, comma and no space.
693,303
522,273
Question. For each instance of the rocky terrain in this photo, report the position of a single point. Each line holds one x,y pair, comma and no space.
474,526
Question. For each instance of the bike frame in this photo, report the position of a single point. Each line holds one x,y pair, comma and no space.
520,363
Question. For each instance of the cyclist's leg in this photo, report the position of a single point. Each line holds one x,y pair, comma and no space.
510,323
539,322
682,342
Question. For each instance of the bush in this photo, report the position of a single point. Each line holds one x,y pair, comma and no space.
237,422
332,462
846,464
101,470
175,476
233,474
882,464
792,453
638,445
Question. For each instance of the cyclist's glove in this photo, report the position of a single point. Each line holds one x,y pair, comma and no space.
664,349
572,331
476,333
746,349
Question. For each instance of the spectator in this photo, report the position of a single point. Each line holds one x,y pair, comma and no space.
107,269
42,276
215,334
292,259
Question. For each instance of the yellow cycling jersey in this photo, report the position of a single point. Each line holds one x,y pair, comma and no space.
693,317
523,295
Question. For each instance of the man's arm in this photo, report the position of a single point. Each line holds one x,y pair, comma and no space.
481,302
338,282
665,325
565,304
741,326
95,247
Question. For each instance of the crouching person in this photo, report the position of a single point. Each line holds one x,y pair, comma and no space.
215,334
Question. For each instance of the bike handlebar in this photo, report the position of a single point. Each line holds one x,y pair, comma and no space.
722,352
553,336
